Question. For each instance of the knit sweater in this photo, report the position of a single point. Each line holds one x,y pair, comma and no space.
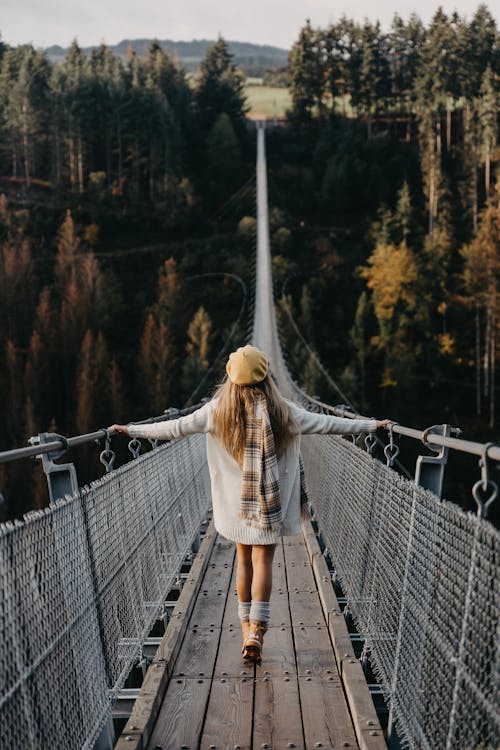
226,474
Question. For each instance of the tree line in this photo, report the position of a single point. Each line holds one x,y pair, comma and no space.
385,227
98,157
398,168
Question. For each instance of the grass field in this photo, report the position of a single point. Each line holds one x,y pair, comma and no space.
267,101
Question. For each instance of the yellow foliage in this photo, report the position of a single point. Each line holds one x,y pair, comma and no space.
446,344
387,379
91,234
391,274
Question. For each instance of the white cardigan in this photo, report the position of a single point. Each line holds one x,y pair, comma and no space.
225,472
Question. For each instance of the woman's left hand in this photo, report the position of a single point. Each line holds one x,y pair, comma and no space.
121,428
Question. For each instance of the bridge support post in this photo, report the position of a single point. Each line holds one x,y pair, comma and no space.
107,738
429,471
61,478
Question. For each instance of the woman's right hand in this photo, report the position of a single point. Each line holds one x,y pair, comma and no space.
121,428
384,423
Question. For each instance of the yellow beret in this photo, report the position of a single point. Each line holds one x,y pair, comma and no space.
247,366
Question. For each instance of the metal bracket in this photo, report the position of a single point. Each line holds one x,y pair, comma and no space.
429,471
61,478
485,490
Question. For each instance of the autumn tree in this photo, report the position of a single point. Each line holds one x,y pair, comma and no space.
391,275
198,352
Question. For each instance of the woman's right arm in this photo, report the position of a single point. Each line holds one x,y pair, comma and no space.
171,429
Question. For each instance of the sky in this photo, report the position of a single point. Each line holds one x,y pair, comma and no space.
46,22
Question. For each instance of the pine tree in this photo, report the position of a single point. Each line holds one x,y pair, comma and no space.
220,88
307,75
488,107
223,155
482,280
374,79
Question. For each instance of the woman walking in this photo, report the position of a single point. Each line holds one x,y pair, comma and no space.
253,453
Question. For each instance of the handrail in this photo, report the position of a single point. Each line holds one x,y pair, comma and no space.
490,450
63,443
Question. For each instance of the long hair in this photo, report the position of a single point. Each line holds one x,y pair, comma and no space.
234,402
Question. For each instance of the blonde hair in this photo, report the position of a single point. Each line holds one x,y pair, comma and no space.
233,404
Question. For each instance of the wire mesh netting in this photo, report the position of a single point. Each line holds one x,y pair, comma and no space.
82,583
422,580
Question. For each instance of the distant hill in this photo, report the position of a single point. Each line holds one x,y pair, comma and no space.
253,59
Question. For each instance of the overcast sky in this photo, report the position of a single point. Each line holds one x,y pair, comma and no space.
46,22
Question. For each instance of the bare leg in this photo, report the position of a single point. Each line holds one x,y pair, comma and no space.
262,561
244,572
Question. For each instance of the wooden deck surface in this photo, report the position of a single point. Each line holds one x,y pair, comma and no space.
309,691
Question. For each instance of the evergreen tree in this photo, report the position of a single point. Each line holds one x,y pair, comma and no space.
488,108
223,155
482,280
307,74
220,88
372,94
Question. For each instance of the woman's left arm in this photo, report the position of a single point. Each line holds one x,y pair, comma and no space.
323,424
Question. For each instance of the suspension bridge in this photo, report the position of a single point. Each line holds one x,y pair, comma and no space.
119,614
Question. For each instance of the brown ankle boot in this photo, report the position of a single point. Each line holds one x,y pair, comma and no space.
252,646
245,629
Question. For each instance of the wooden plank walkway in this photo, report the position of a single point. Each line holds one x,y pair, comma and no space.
309,691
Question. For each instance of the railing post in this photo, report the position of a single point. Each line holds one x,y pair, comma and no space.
429,471
107,738
61,478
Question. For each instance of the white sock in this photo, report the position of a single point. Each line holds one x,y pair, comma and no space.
260,611
244,611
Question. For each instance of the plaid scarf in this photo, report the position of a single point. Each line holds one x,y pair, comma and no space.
260,504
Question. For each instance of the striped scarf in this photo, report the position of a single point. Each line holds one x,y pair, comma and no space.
260,504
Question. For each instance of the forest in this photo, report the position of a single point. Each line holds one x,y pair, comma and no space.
127,230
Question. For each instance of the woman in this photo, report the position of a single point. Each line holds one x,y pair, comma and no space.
253,444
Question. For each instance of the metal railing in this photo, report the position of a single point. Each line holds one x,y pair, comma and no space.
81,584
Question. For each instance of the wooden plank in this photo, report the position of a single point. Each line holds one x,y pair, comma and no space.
277,713
298,567
198,653
278,654
147,705
231,611
339,633
314,653
181,719
229,716
223,552
305,608
363,710
280,611
209,608
309,538
327,595
364,716
230,662
325,715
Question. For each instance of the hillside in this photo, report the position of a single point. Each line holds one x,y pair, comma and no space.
254,59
